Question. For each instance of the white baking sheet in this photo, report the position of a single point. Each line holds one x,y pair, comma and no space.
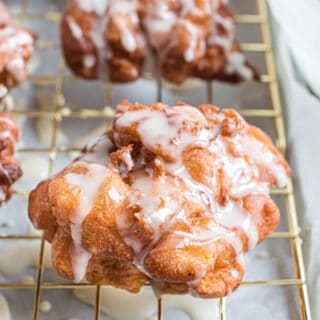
269,261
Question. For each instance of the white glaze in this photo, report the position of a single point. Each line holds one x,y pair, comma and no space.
89,60
169,133
156,209
97,6
112,299
232,215
225,41
75,28
89,184
28,280
127,38
243,175
14,43
210,234
190,7
159,129
15,37
159,21
226,22
4,309
143,305
103,50
105,9
16,67
219,40
129,9
7,104
259,153
97,150
236,61
45,306
189,54
8,121
237,64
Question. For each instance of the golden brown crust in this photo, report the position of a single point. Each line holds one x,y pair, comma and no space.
51,207
41,205
166,207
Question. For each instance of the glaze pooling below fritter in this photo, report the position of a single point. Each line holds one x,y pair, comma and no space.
97,150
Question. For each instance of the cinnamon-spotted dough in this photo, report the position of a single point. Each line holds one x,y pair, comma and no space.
171,195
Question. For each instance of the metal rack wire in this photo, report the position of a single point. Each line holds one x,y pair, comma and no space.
61,111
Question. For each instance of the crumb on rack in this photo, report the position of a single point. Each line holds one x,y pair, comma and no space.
27,280
263,254
7,224
45,306
275,260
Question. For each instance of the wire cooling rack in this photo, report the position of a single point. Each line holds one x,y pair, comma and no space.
60,111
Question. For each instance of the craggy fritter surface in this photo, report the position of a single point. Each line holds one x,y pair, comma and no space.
171,195
16,47
111,39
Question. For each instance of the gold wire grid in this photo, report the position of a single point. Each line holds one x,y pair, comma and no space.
61,111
